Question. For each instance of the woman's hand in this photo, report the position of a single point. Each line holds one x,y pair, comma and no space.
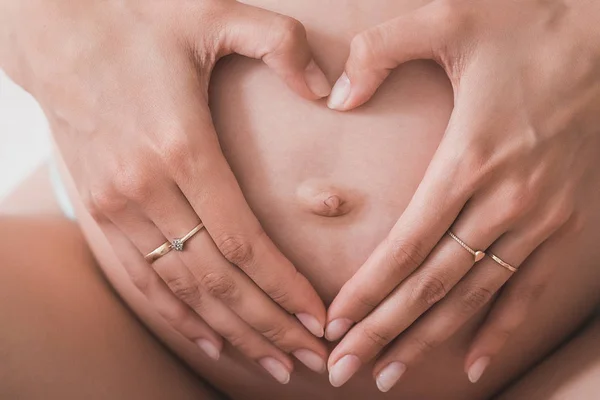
124,85
521,147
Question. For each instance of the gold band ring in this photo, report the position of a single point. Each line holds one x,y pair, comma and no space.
176,244
477,254
502,262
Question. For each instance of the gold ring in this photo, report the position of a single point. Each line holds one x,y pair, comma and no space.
176,244
477,254
502,262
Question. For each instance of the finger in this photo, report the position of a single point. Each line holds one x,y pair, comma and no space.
175,312
223,320
280,41
445,266
375,52
213,192
228,284
470,295
436,203
519,296
217,315
449,261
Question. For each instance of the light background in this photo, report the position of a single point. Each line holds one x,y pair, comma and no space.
24,141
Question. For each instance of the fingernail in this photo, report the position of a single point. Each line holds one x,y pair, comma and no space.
276,369
210,349
316,80
311,323
337,328
339,93
477,368
311,359
388,376
343,370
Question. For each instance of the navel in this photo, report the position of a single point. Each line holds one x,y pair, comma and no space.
321,198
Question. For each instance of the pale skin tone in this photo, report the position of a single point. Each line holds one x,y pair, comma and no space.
129,205
158,58
508,175
48,334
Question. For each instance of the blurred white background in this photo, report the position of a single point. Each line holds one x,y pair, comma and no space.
24,141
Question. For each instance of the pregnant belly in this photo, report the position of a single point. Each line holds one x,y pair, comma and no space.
328,186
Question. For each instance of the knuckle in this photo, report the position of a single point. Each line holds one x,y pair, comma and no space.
134,183
176,316
141,280
87,198
423,344
529,293
238,341
279,293
521,198
185,290
221,286
559,216
377,335
473,298
289,32
365,298
104,200
473,159
576,223
428,290
405,254
363,48
514,210
449,15
474,169
175,149
237,249
501,332
276,334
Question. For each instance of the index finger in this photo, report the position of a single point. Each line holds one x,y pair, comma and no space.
430,213
205,178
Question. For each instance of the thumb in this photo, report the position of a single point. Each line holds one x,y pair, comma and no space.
280,41
375,52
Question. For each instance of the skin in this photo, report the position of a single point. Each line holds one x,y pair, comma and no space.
291,156
53,336
333,195
511,175
126,96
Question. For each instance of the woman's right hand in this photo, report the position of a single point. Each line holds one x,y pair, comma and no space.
124,86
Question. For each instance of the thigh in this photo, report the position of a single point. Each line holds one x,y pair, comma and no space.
572,372
65,334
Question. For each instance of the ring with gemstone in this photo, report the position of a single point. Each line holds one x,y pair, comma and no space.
176,244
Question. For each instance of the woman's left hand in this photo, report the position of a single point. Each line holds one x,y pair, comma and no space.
522,145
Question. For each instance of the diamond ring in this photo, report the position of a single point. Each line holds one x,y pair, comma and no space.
176,244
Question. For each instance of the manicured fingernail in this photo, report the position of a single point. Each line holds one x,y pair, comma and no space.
337,328
339,93
210,349
477,368
343,370
388,376
276,369
316,80
311,323
311,359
